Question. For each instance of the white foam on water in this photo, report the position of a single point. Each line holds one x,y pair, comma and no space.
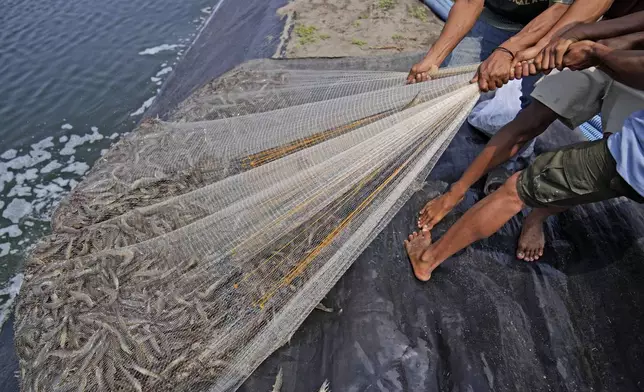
144,107
4,249
51,166
66,126
9,154
63,139
12,290
76,140
60,181
155,79
164,71
78,168
17,209
20,191
158,49
13,231
206,10
29,175
114,136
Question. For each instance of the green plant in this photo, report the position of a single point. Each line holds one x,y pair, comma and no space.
358,42
356,23
306,34
324,36
419,12
386,4
397,37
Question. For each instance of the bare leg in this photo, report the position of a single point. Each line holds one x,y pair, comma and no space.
481,221
531,122
533,240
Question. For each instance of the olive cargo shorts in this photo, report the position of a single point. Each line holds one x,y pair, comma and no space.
578,174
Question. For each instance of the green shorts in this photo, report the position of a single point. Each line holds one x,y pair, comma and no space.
579,174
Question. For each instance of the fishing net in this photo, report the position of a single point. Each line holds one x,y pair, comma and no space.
196,246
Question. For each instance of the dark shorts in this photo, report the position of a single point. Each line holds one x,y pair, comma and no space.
579,174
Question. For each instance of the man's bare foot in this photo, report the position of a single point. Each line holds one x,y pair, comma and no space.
421,261
436,209
532,239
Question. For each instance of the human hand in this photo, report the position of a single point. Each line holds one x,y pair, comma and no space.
551,56
582,55
420,72
523,64
494,72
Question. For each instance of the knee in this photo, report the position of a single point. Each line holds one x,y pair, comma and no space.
510,193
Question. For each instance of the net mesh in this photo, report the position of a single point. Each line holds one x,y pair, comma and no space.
196,247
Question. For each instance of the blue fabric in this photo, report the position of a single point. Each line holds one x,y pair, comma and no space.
627,147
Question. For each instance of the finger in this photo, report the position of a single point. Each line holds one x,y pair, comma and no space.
425,76
475,78
525,69
532,70
559,54
551,62
537,61
483,85
545,60
498,83
419,77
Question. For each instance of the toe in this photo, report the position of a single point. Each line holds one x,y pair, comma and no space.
521,253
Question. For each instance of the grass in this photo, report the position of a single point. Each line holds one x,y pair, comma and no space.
358,42
386,4
397,37
419,12
324,36
356,23
306,34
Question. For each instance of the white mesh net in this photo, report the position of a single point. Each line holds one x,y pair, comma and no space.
196,247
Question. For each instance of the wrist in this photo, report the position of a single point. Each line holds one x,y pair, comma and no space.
432,59
599,52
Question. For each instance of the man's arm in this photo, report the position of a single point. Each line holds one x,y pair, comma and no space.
625,66
495,70
556,42
459,22
538,28
610,28
634,41
528,43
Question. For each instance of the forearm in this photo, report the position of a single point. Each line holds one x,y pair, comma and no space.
460,21
579,12
536,29
625,66
612,27
633,41
503,146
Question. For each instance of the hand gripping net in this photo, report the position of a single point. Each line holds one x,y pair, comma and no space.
196,247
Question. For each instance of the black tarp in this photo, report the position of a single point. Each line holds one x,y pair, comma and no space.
485,322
